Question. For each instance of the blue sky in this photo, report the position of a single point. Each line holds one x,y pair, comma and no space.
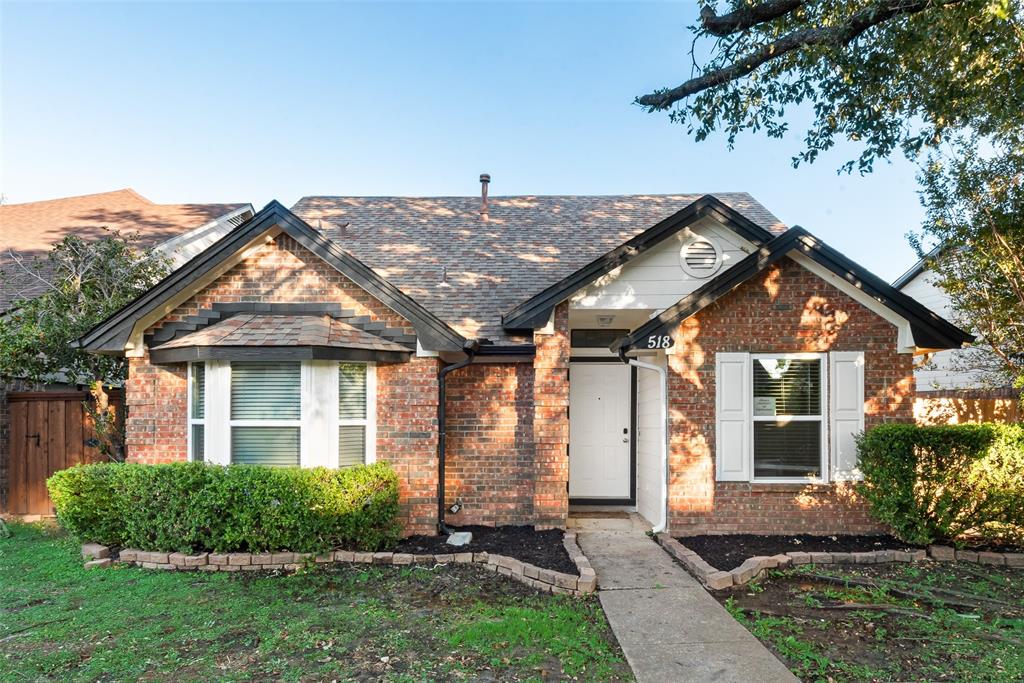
255,101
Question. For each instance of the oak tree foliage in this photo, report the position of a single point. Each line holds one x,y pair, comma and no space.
939,81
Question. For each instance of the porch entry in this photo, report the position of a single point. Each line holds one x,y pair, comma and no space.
602,423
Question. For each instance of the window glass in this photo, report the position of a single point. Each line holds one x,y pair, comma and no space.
787,418
198,406
276,446
787,386
352,391
351,445
787,449
266,391
198,442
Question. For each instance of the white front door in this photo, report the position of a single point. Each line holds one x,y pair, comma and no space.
599,430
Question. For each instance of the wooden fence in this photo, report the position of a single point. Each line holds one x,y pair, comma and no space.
49,431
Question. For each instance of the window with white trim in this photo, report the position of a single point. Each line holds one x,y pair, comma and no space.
266,413
196,411
282,413
787,417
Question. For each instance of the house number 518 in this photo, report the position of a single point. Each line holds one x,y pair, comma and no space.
659,341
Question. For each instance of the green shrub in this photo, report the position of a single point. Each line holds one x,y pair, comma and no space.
193,507
938,483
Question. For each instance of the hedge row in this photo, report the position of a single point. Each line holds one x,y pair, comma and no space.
193,507
939,483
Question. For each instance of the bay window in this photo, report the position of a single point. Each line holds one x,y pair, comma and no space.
282,413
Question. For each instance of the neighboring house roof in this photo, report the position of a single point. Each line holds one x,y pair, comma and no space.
929,330
469,272
31,229
268,335
918,268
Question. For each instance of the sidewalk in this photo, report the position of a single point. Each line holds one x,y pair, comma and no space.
670,629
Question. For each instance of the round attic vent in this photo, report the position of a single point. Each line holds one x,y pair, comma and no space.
700,257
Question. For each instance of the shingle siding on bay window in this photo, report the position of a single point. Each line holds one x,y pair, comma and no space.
787,309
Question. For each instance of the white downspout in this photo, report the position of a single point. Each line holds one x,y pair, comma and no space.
663,373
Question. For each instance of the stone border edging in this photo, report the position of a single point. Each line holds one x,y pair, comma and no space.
546,580
753,567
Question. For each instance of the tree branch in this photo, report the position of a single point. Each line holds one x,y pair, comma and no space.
742,19
837,36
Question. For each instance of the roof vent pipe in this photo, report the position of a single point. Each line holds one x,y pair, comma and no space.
485,180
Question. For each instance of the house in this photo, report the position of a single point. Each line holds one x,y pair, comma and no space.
30,230
954,371
685,355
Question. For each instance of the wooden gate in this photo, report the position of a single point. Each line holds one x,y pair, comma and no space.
49,431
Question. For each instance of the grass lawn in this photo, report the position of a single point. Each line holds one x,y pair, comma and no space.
890,622
59,622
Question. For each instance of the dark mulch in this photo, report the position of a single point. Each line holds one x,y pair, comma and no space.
728,551
540,548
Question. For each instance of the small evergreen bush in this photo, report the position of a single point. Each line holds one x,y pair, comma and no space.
939,483
193,507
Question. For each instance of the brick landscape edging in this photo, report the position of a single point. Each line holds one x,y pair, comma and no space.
545,580
716,579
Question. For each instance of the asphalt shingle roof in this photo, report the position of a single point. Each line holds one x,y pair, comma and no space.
257,329
31,229
468,271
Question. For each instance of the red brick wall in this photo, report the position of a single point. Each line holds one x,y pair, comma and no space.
407,437
156,428
490,450
785,309
551,422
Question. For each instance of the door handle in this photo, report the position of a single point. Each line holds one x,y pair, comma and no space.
625,437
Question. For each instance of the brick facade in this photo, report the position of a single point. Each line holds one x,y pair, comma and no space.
785,309
490,450
508,427
551,422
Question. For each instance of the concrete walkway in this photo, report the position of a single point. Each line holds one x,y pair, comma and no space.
670,629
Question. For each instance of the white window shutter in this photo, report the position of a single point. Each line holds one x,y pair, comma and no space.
846,369
732,417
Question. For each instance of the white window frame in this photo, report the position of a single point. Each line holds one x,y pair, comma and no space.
318,422
193,420
822,418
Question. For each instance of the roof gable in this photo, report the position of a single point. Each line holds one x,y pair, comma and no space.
535,311
929,330
121,331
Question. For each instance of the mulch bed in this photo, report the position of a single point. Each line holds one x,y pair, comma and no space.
542,549
727,551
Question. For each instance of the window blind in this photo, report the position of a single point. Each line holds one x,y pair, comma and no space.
198,442
787,387
351,445
275,446
352,391
266,391
198,406
787,449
